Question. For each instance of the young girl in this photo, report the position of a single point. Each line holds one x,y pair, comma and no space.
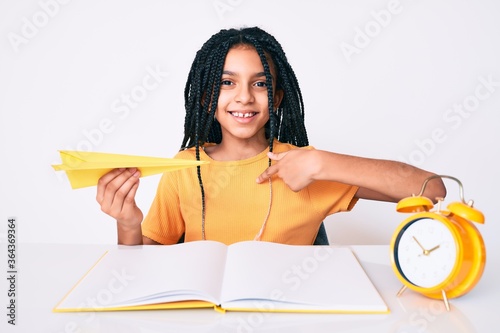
245,115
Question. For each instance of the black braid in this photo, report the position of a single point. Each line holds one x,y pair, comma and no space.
270,100
201,93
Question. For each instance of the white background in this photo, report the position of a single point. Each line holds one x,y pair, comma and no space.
65,67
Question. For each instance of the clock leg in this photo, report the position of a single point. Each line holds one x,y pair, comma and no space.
401,291
445,300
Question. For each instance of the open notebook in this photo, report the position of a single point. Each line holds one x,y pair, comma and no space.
245,276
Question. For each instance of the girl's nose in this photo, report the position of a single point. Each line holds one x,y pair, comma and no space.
244,95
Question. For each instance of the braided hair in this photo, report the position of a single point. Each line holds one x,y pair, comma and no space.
286,123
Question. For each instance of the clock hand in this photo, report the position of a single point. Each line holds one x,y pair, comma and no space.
434,248
423,249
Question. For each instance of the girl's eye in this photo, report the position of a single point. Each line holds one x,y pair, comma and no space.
261,84
226,83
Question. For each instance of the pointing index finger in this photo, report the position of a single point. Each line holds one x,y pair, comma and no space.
268,173
276,156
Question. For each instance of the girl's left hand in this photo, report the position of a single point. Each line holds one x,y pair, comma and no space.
296,167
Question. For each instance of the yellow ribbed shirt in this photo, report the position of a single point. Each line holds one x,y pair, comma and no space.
236,206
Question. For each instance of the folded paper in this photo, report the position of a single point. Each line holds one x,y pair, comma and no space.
85,168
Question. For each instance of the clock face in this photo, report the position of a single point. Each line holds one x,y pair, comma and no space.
425,252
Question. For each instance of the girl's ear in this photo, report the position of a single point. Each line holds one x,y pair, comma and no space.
278,97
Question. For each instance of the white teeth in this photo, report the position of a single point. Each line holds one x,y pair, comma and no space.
243,115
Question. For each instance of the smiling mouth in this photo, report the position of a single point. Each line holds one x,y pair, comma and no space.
242,114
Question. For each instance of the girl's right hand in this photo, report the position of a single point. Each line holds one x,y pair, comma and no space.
116,195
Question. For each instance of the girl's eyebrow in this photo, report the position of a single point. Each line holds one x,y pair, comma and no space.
231,73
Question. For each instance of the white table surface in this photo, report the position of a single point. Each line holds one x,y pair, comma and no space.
46,272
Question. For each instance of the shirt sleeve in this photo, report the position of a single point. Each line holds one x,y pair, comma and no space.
329,197
164,223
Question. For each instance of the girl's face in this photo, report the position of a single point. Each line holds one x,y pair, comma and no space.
242,108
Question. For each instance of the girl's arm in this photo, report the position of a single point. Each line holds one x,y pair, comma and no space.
377,179
116,194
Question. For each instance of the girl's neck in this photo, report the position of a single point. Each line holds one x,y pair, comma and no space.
235,150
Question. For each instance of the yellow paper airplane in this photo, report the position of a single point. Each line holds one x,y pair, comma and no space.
85,168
